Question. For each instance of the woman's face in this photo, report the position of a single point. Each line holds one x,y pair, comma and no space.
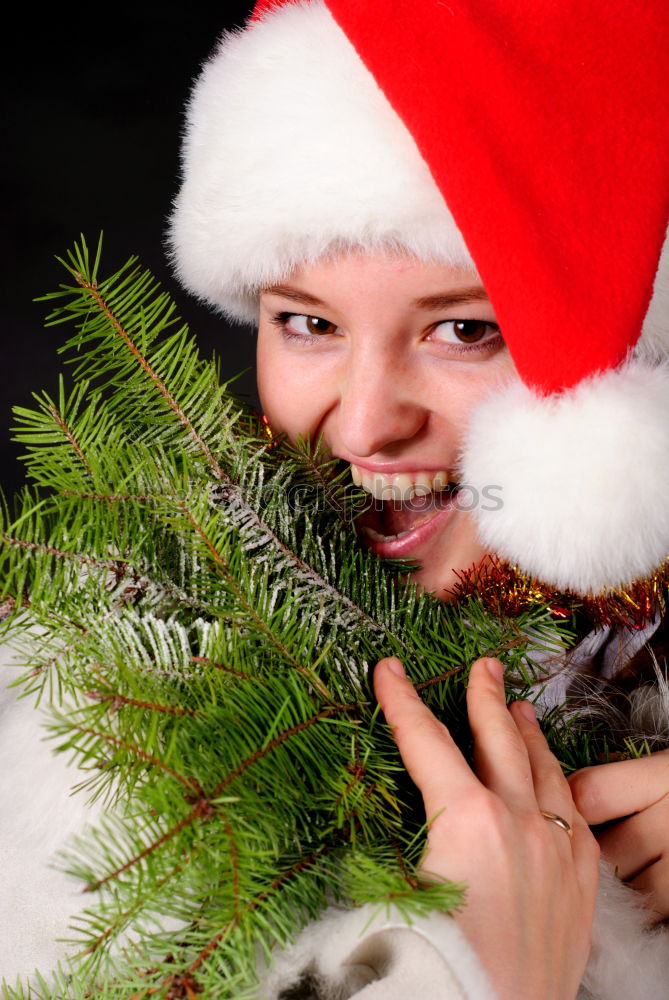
384,357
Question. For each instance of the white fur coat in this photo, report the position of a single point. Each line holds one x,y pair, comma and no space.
343,955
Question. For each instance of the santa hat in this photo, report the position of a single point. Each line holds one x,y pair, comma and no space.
524,139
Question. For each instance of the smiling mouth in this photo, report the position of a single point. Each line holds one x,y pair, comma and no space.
403,502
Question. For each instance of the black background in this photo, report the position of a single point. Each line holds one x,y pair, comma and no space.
93,112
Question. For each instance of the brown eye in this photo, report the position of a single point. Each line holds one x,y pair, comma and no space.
470,331
315,324
465,331
301,325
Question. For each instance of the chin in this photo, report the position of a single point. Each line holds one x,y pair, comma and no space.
439,584
441,567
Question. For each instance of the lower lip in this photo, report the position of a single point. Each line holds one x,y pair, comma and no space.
406,546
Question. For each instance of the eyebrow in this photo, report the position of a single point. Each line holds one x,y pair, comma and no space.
294,294
444,300
455,298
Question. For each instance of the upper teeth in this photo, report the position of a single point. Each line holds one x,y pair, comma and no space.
400,486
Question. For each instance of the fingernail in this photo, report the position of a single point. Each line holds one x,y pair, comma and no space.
526,708
495,669
396,668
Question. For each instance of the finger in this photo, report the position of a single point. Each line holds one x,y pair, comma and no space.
431,757
550,785
638,841
611,791
502,763
585,857
653,882
553,795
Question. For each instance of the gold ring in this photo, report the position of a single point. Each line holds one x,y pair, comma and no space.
559,821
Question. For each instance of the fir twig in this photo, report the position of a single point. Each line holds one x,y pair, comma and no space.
211,645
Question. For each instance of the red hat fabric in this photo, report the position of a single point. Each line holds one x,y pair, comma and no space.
525,139
546,128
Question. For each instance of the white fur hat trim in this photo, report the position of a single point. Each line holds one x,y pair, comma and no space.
292,152
584,477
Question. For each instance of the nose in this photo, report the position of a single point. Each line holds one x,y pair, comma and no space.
380,406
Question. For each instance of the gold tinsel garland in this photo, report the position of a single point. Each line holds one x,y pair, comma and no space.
505,589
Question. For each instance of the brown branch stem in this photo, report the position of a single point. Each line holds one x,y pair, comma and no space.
123,917
60,421
277,741
112,497
206,662
188,783
201,807
121,699
280,880
224,569
49,550
431,681
92,289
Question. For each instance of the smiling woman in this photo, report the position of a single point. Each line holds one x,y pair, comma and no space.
448,226
367,168
387,373
402,230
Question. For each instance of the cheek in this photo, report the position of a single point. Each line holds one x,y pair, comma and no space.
453,396
461,396
292,394
271,374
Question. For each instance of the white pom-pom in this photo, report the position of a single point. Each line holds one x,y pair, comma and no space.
584,477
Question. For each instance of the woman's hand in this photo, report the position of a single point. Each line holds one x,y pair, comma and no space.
530,888
632,797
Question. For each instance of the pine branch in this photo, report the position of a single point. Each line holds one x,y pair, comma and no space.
123,918
325,713
246,605
297,869
49,550
117,700
138,752
67,431
221,666
90,286
213,643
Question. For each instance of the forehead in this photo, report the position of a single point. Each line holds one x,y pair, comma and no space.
352,278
